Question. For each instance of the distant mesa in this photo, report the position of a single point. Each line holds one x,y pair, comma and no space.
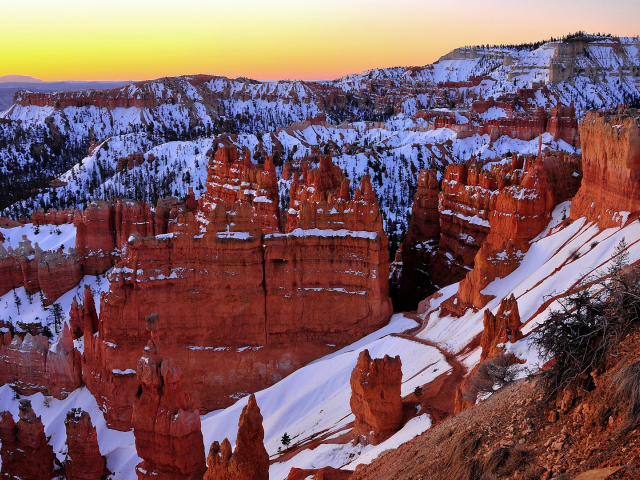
19,78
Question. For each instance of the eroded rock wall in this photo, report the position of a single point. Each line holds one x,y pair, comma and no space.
241,308
25,452
611,164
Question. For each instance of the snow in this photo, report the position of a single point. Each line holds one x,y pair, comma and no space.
47,237
32,311
550,267
493,113
325,233
314,400
411,429
118,447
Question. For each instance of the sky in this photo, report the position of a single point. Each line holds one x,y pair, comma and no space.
275,39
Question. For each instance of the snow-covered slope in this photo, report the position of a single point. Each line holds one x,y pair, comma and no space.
312,404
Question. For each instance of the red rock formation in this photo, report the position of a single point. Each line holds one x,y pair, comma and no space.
563,125
133,217
64,366
326,473
52,217
165,424
521,212
611,164
231,179
271,292
500,328
23,362
468,197
420,245
57,273
95,237
460,402
141,95
10,271
54,273
376,400
31,367
25,452
250,461
84,461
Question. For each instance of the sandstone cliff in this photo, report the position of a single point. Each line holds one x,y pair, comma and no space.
271,291
610,189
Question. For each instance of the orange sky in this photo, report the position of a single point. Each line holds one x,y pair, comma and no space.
304,39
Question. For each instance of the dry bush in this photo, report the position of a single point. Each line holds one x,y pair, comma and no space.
460,463
626,384
518,458
590,324
533,472
494,373
494,461
504,461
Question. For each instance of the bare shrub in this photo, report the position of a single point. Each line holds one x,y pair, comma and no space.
495,372
626,382
592,321
518,458
532,472
460,464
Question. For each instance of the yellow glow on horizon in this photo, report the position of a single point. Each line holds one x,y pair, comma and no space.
304,39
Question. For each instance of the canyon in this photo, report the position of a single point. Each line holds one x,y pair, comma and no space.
246,289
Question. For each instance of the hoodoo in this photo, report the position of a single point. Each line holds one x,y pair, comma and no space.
376,400
165,424
250,460
25,452
84,461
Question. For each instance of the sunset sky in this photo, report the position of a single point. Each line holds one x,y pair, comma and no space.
276,39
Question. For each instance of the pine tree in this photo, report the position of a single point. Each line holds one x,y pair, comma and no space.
56,312
17,300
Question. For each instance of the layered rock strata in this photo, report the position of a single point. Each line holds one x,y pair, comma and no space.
250,460
271,291
28,266
84,461
610,189
521,211
376,399
25,452
165,424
